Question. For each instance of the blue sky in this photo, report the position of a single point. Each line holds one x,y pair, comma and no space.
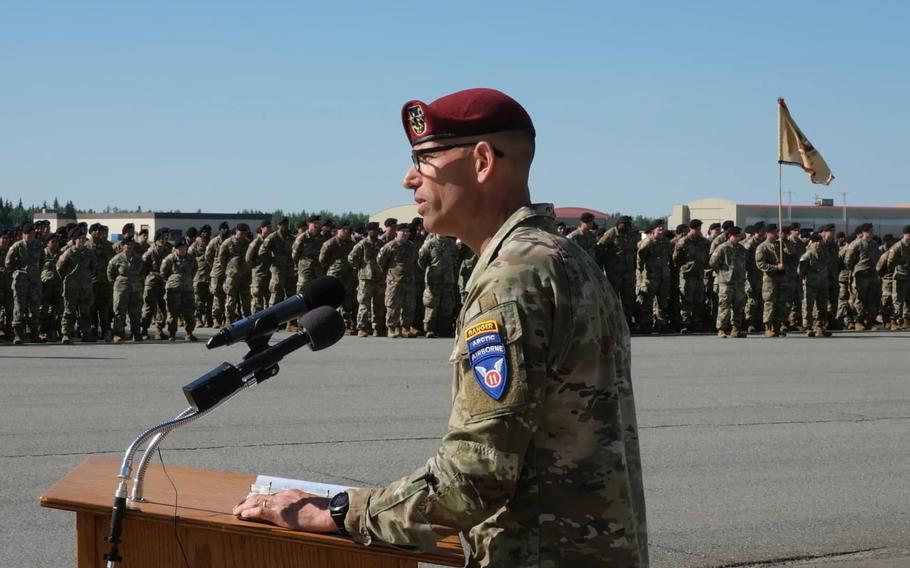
222,106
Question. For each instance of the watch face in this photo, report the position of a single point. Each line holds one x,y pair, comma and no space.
339,502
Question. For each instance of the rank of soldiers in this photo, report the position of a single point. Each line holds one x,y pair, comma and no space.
402,282
75,283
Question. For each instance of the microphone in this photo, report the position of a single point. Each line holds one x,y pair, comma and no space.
319,328
324,291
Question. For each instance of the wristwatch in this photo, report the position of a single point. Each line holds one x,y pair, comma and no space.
338,508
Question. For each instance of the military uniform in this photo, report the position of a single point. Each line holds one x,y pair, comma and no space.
77,269
586,239
795,249
653,285
23,263
237,277
467,259
398,260
51,295
126,273
436,258
154,302
305,256
515,474
177,272
829,252
216,278
814,272
691,256
767,259
333,256
260,263
861,259
6,293
278,248
899,267
754,302
370,286
102,290
616,255
202,281
844,288
729,264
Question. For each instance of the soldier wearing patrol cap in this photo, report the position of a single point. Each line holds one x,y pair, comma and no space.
520,473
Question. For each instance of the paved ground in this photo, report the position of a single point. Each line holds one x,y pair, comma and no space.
765,452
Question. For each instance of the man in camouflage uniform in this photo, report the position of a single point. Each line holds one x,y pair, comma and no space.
466,261
216,274
237,275
128,230
653,287
884,275
584,235
794,247
418,237
371,283
715,236
154,304
860,260
436,259
691,257
125,271
899,267
51,290
398,260
260,263
754,302
729,264
6,287
142,243
177,270
828,250
102,289
333,256
389,231
277,247
813,271
305,252
844,284
23,264
201,280
615,251
768,259
540,465
77,268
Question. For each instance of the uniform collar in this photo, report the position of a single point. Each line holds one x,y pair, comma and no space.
520,216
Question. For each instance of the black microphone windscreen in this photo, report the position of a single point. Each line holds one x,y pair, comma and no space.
324,325
324,291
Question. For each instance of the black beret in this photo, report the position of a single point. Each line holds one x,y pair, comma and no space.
224,226
344,224
51,237
695,224
906,230
359,227
760,225
192,232
314,218
843,235
181,243
793,226
682,227
94,227
162,233
242,227
76,232
624,219
560,224
586,217
206,229
403,227
300,225
390,222
815,237
888,237
265,223
328,223
771,227
417,222
372,226
128,227
727,224
865,227
655,224
128,240
144,232
805,232
734,230
750,229
27,227
82,224
283,221
713,226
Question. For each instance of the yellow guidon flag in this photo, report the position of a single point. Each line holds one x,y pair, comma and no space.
794,148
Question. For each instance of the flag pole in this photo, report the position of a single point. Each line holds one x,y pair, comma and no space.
780,208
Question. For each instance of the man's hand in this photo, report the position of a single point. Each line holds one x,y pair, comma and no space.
291,509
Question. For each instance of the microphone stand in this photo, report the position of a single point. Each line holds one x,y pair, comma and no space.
204,394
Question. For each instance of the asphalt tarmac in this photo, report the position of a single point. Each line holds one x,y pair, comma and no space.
764,452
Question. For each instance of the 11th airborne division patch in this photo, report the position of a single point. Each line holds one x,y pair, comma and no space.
487,355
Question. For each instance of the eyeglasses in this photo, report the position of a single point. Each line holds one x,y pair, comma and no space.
416,154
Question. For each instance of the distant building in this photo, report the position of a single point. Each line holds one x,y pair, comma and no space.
845,218
568,215
178,223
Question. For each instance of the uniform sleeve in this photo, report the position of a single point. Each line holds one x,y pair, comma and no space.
477,467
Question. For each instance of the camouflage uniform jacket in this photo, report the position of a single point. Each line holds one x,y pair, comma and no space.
104,252
178,271
25,257
549,473
232,256
197,250
334,257
277,247
211,257
654,258
125,272
259,260
151,262
398,259
729,263
49,266
813,268
899,260
751,245
691,255
862,256
587,240
363,260
767,257
437,259
306,248
77,265
616,251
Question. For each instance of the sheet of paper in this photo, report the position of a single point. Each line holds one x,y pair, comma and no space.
270,484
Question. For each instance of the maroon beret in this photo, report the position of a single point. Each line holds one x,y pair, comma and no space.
466,113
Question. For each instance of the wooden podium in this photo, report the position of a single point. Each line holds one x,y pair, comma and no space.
211,536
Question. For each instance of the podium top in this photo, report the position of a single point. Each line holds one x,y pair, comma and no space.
205,500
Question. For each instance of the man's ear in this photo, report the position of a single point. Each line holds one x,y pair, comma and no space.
485,160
